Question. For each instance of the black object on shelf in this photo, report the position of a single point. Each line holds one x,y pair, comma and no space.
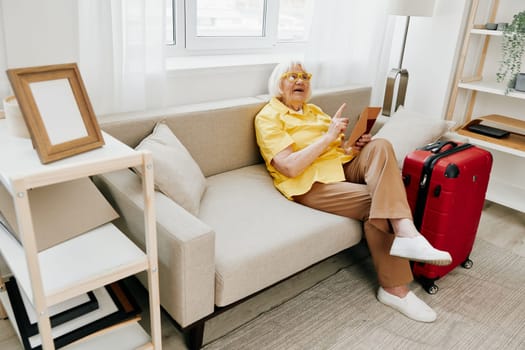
488,131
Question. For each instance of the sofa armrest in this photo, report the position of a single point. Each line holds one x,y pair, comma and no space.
186,246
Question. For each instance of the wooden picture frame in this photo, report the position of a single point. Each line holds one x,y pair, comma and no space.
56,109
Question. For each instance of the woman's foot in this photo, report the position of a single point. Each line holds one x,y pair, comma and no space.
409,305
411,245
404,228
418,249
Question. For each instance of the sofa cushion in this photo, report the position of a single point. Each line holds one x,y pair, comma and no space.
408,130
176,174
261,237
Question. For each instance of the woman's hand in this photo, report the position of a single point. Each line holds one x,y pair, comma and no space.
359,144
338,124
362,141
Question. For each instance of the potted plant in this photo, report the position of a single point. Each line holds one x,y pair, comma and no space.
513,47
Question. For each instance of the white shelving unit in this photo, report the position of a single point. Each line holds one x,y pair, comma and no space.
473,88
83,263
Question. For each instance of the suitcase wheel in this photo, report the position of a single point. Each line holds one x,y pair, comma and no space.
428,285
467,263
432,289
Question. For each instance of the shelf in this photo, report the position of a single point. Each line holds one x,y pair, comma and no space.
122,337
513,144
475,140
24,163
486,32
130,336
78,265
491,87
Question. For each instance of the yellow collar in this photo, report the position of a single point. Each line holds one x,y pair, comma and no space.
282,108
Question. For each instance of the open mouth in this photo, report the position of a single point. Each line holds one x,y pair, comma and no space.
298,89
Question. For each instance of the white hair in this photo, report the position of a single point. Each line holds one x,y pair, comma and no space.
274,82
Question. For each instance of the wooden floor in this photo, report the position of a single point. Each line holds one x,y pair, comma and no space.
499,225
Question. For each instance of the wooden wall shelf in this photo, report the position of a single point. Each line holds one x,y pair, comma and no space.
516,127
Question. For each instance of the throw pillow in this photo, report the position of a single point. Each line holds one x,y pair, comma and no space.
409,130
176,174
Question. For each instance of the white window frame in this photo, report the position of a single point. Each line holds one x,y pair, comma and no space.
266,40
218,46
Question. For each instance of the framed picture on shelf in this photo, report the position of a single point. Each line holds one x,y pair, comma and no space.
61,313
115,306
56,109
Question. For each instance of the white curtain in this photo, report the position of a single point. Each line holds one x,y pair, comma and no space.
350,43
121,53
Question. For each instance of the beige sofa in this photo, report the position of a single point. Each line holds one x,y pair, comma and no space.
247,236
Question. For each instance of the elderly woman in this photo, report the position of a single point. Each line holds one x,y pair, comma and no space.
310,162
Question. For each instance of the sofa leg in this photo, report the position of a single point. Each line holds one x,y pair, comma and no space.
194,335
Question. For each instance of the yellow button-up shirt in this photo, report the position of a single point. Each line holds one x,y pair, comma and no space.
278,127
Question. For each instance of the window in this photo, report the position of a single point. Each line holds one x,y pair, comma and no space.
236,24
170,23
229,18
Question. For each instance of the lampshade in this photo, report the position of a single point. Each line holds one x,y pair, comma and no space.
423,8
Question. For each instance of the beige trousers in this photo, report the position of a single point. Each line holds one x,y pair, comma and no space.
373,193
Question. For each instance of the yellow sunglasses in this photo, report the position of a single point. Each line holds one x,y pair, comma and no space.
293,76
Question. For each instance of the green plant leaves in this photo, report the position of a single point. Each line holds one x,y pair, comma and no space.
513,47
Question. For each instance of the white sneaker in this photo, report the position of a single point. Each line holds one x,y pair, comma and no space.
410,306
418,249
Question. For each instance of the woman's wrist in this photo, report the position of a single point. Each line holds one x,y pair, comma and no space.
329,138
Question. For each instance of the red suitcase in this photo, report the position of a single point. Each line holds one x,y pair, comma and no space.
446,184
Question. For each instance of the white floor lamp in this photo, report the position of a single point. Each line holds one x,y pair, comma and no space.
408,8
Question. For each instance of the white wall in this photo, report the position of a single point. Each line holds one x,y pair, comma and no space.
40,32
198,85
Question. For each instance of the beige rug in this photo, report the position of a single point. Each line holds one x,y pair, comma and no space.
480,308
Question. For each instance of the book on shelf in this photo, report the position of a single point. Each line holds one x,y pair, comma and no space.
116,306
